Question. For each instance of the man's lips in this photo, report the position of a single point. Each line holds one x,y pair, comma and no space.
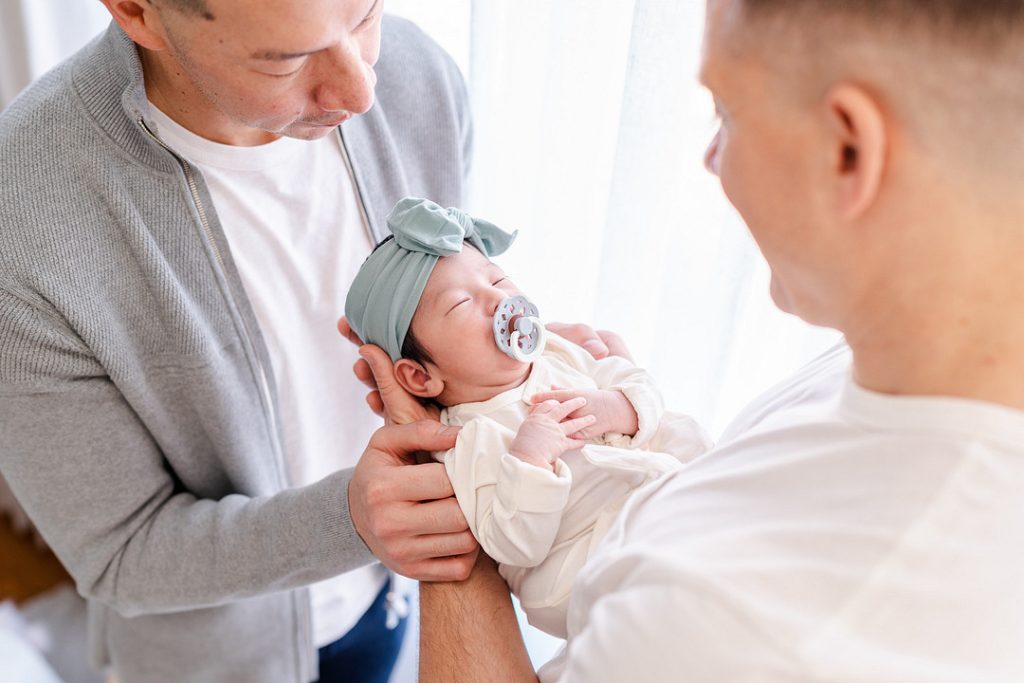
329,124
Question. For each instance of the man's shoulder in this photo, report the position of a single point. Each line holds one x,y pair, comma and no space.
412,65
33,119
36,161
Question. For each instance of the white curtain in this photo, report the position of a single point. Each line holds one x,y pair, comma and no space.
590,133
590,130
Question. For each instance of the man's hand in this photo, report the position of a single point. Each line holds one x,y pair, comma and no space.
387,398
599,343
610,409
406,514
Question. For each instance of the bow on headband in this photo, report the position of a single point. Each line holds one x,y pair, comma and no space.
386,291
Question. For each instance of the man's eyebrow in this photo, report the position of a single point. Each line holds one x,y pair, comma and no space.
277,55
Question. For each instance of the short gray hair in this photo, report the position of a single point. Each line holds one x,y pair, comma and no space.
978,21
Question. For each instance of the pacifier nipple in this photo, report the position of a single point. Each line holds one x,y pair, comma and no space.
518,330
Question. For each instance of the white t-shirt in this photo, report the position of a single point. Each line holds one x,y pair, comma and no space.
292,217
835,535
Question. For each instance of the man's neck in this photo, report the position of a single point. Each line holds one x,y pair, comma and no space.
966,346
170,90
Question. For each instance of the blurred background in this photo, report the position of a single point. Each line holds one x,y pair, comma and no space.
590,129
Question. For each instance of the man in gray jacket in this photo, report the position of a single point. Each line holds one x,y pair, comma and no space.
176,413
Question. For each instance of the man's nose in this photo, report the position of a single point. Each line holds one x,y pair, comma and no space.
711,153
347,82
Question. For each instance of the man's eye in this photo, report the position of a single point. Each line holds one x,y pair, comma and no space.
285,75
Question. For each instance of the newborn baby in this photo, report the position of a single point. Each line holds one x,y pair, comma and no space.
550,447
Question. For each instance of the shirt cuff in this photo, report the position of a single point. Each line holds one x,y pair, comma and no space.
522,487
649,409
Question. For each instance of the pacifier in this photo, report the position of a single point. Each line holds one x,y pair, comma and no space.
518,330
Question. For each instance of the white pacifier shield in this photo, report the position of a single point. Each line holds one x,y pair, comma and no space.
518,331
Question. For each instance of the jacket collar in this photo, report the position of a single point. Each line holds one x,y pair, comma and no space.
107,76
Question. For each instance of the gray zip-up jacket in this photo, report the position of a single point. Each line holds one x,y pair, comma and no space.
137,407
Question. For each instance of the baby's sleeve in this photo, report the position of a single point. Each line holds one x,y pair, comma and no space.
513,508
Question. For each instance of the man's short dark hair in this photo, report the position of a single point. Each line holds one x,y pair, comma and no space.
972,19
198,8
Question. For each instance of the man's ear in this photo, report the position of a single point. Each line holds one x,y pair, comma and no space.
417,379
859,147
140,21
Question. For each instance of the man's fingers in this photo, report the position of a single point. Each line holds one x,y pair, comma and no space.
379,362
347,332
581,335
399,405
436,517
616,346
438,546
373,400
424,435
413,483
444,569
361,369
570,427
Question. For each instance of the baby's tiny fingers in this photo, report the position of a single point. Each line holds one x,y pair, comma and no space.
570,427
567,407
551,396
544,407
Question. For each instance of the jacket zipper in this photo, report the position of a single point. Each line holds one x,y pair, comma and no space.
193,188
374,239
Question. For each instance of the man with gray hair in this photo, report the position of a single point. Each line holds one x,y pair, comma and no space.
862,521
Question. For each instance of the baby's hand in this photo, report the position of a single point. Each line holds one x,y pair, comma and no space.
546,433
611,410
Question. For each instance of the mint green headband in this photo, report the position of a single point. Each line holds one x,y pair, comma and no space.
389,284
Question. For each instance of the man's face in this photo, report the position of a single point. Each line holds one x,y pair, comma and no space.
454,324
289,67
763,153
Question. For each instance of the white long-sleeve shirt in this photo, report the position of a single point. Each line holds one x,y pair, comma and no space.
541,526
835,534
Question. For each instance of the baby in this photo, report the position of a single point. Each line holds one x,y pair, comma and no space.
551,439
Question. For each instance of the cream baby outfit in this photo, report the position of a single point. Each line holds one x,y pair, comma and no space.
541,526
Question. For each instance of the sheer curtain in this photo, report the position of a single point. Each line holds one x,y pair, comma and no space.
590,130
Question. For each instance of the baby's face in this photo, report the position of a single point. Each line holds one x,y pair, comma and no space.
454,324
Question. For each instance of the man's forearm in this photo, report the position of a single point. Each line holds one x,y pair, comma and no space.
469,632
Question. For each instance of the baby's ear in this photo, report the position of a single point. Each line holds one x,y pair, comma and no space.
417,379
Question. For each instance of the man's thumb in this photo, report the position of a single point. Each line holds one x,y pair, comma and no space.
380,365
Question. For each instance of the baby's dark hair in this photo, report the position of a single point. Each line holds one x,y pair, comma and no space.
411,346
414,350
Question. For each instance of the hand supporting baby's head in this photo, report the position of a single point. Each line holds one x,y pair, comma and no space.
430,304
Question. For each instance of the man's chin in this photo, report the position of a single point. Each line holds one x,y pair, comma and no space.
780,296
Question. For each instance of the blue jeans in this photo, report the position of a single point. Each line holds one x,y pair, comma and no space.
367,653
